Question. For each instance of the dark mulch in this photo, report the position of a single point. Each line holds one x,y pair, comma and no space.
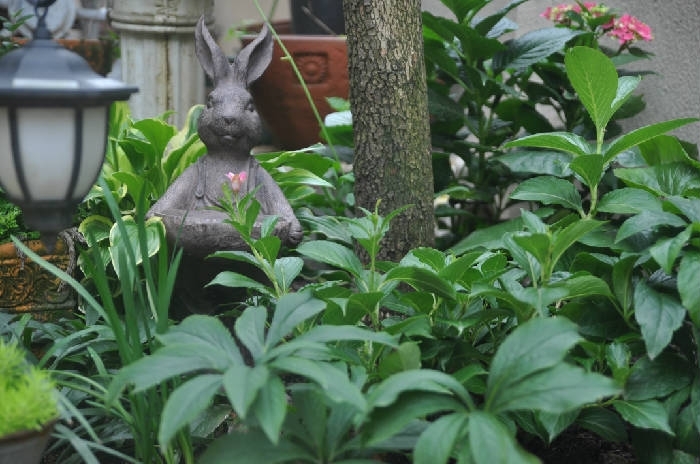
579,446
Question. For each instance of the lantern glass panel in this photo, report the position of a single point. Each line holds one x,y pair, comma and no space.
8,177
94,143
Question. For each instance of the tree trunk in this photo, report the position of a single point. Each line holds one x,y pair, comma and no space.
388,96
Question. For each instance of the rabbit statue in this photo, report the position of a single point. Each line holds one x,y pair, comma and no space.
229,127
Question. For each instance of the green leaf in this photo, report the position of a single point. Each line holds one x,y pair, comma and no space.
549,190
287,269
242,385
566,237
268,247
645,221
658,378
406,357
603,422
629,201
562,141
555,424
648,414
625,86
589,168
420,279
659,315
622,281
252,447
665,251
424,380
185,403
236,280
594,78
638,136
333,254
582,286
292,309
551,163
270,408
688,273
533,47
490,441
538,245
664,180
250,330
204,331
119,245
436,443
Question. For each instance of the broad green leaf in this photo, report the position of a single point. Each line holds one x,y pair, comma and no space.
665,251
555,424
490,441
430,258
95,229
566,237
204,331
625,86
425,380
270,408
235,280
236,255
268,247
287,269
589,168
252,447
695,401
623,286
185,403
333,254
658,378
664,180
664,149
556,390
406,357
648,414
533,47
562,141
645,221
603,422
119,245
628,200
365,303
641,135
659,315
533,346
688,273
689,207
594,78
292,309
420,279
538,245
157,132
250,330
300,176
242,384
436,443
618,356
550,163
549,190
581,286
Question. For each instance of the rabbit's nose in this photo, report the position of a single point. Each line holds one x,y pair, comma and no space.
229,119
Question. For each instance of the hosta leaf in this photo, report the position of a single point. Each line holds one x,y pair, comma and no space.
659,315
490,441
629,201
185,403
688,273
648,414
562,141
645,221
594,78
549,190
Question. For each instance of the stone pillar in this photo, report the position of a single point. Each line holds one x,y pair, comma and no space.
157,54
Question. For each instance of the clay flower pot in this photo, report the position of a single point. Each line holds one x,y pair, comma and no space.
26,447
280,98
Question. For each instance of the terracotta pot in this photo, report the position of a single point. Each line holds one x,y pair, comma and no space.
280,98
25,447
27,287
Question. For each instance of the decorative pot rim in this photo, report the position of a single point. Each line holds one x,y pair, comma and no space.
20,435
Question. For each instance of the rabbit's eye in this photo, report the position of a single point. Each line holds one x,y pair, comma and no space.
249,106
210,102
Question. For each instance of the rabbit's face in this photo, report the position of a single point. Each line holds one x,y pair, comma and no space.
229,122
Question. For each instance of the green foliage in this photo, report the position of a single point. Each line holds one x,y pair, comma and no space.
27,392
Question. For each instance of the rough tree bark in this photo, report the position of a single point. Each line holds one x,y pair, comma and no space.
388,96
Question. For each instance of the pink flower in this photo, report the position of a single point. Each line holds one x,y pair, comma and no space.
237,180
558,15
627,29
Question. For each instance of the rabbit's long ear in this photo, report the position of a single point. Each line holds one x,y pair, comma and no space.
254,58
211,57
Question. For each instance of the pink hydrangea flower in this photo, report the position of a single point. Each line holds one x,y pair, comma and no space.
557,13
237,180
627,29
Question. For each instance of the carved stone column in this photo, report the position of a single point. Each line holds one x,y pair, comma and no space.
157,54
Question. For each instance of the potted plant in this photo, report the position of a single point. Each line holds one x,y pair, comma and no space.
314,39
28,409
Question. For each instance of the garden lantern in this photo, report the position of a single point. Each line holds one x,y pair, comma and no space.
54,117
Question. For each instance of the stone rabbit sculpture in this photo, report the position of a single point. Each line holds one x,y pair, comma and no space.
229,127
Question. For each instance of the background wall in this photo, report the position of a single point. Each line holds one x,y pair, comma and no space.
673,92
